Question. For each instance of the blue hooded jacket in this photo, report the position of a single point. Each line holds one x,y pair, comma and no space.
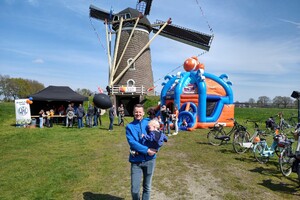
155,139
134,131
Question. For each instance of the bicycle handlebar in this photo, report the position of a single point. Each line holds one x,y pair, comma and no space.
255,123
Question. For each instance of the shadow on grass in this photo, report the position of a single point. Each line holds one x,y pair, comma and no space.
227,151
276,186
265,169
92,196
205,143
246,159
280,187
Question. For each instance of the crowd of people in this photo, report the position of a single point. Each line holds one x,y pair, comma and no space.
92,117
71,115
165,119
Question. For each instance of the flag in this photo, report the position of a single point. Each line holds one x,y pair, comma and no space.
150,89
100,90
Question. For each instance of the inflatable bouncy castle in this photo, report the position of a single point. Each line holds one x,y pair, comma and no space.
201,98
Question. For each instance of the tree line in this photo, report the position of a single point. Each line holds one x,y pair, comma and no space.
264,101
19,88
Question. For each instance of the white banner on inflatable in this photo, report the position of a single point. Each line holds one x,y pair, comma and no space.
23,115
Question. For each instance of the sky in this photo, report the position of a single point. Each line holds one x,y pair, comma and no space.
256,42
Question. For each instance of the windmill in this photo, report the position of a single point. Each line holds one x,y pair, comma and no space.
130,71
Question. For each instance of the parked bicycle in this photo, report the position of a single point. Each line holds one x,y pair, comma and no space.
290,161
262,152
287,157
284,124
296,163
243,141
293,120
217,135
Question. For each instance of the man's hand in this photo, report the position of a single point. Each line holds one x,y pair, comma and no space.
151,152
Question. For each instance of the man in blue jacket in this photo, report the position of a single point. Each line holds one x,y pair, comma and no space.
143,163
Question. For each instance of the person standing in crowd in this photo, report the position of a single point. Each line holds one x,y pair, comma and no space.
99,116
41,118
120,111
61,110
121,115
111,115
70,115
47,118
80,114
96,116
51,118
151,113
175,120
142,163
90,116
165,112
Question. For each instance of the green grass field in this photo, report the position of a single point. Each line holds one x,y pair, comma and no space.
92,163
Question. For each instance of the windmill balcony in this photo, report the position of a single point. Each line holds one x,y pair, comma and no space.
132,90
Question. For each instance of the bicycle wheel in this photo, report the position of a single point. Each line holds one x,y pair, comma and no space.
213,137
292,122
278,150
241,142
285,163
298,172
258,153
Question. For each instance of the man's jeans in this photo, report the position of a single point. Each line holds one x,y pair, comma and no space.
111,123
137,170
41,122
166,126
80,122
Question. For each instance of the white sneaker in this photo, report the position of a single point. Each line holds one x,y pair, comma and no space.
175,133
169,135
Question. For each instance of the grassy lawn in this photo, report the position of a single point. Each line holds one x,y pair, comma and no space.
92,163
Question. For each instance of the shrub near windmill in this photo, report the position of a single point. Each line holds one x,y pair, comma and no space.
131,58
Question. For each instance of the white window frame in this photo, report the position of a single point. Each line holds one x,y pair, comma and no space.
133,83
132,66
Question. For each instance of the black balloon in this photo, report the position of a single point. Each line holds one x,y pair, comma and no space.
102,101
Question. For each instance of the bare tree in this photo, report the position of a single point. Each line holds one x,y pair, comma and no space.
251,101
287,101
84,92
263,100
277,101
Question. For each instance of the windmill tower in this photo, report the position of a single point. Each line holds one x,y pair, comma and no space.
130,71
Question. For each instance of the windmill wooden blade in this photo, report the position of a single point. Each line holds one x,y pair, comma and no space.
101,14
144,6
187,36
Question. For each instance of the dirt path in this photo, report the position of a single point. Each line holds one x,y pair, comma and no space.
199,187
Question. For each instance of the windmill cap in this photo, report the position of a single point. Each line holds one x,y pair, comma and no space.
144,22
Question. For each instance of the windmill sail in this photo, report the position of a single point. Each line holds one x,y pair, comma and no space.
184,35
99,13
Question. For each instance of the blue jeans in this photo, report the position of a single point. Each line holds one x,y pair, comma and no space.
41,122
111,123
166,126
137,170
80,122
95,120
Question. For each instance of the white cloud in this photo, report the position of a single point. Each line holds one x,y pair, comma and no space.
291,22
38,61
